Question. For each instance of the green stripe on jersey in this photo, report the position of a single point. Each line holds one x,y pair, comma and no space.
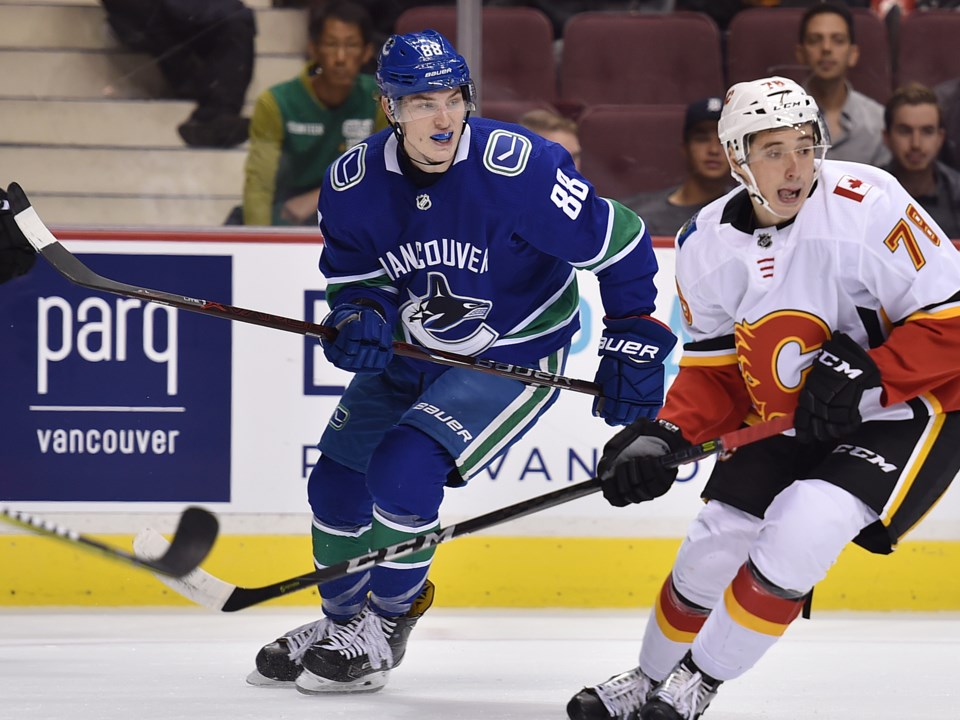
552,316
627,229
334,288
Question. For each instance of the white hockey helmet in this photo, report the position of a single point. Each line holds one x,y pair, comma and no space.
765,104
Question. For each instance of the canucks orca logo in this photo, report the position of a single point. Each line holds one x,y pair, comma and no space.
445,321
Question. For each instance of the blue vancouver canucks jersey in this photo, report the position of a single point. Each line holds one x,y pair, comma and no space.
482,262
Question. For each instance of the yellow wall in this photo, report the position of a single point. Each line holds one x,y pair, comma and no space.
473,572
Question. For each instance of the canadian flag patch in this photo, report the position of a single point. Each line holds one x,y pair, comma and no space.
852,188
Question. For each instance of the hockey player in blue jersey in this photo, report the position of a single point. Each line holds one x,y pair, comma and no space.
458,234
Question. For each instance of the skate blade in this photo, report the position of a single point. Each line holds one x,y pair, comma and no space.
310,684
258,680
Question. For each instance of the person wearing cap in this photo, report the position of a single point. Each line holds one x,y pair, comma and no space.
818,290
708,176
462,235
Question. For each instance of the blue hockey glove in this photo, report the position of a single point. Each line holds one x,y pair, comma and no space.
632,351
630,470
364,342
828,406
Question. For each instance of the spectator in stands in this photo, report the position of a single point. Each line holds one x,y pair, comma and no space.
827,46
555,128
16,255
913,130
205,52
708,173
948,93
302,125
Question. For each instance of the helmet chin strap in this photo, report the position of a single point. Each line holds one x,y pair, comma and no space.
750,183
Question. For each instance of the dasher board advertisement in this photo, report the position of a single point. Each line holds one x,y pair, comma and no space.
107,398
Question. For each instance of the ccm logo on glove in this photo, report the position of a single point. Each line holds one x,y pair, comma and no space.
838,364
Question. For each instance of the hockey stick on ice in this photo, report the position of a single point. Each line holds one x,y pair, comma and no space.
195,535
216,594
68,265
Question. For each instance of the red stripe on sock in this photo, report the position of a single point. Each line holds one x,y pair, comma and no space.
678,614
755,599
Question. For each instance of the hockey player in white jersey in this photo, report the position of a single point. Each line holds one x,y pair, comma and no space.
458,234
818,287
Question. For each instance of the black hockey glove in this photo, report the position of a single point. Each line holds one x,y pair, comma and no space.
630,470
16,254
829,403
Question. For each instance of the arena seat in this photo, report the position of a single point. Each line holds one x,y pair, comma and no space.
512,110
517,58
626,58
929,47
628,149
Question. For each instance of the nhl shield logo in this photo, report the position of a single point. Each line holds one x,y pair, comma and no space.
423,202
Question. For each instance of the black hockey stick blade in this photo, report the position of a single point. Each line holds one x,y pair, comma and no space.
212,592
192,541
68,265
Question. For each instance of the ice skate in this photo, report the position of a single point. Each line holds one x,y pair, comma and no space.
278,663
683,695
358,657
617,698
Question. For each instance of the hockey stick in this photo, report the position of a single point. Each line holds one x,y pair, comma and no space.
194,536
216,594
68,265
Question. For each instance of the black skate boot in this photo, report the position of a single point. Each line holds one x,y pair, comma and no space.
683,695
359,656
617,698
278,663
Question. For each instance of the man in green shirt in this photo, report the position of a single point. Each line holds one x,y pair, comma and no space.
300,126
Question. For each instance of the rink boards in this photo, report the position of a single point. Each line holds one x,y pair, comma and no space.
117,414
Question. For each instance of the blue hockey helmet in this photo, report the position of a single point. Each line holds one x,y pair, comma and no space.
422,62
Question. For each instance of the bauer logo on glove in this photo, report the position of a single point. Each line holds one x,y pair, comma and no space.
636,351
630,375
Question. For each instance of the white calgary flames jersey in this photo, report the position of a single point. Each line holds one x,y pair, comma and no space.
861,257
